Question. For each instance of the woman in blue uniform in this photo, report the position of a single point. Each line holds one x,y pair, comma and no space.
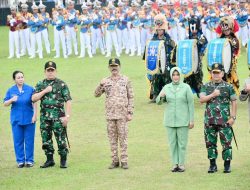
22,117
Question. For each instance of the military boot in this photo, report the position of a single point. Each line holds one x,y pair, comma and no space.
227,168
49,162
124,165
114,165
63,162
213,166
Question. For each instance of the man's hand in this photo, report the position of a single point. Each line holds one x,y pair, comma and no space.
230,121
102,82
216,93
129,117
64,121
48,89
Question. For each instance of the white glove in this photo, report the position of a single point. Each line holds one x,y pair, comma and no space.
222,14
187,16
71,17
244,13
12,21
58,22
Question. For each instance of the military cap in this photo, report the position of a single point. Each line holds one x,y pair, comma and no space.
217,67
50,64
114,61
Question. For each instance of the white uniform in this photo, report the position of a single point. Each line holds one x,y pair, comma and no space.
35,36
13,36
44,31
60,23
24,35
84,23
111,37
71,32
135,34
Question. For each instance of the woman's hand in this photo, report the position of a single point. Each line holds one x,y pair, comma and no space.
191,125
34,118
14,98
162,95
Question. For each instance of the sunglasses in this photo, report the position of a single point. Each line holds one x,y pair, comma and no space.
216,72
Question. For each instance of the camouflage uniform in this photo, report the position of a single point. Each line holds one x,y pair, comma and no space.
119,102
217,114
52,109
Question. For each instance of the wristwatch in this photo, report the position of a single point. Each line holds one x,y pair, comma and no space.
233,117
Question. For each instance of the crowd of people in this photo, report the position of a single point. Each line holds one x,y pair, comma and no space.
124,29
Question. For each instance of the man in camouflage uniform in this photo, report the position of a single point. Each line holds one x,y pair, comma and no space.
217,94
53,93
119,110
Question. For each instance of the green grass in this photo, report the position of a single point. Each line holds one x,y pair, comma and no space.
148,150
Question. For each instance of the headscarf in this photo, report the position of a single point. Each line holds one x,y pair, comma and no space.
180,73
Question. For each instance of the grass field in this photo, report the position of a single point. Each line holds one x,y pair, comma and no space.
89,158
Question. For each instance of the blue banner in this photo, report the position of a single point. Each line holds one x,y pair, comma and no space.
248,54
185,50
215,51
152,56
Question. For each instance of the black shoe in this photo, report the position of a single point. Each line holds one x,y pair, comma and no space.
49,162
29,165
213,166
114,165
175,168
63,162
20,165
124,165
181,168
227,168
212,169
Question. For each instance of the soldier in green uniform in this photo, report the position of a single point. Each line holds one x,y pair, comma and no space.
218,96
54,95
